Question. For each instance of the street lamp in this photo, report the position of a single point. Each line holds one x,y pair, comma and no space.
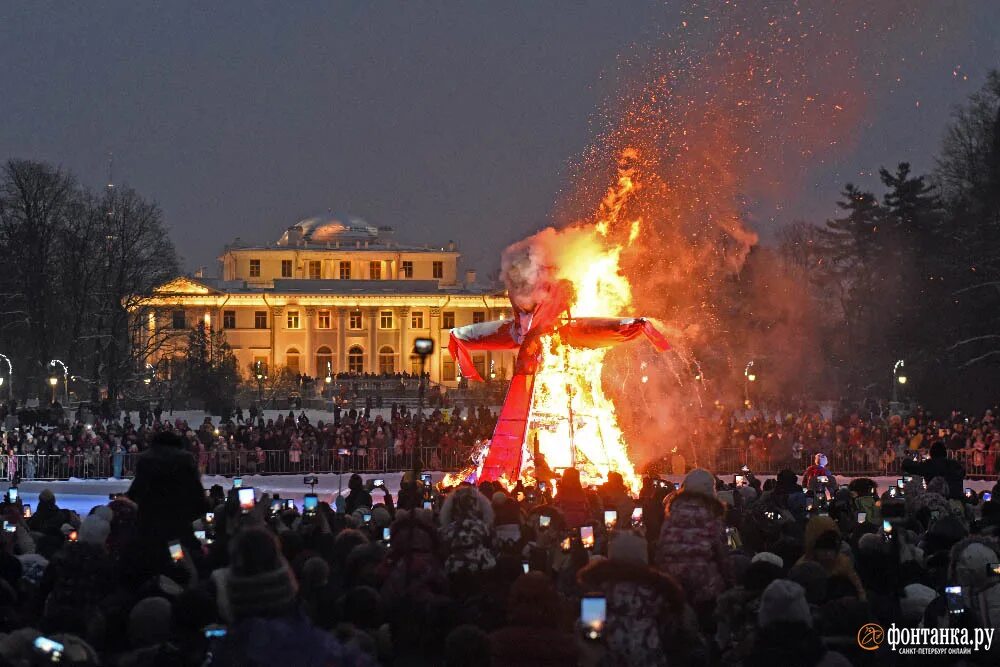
897,378
10,377
53,381
259,373
750,377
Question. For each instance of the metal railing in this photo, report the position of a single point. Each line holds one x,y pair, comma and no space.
227,463
848,463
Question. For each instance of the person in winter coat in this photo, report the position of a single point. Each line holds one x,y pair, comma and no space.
823,544
533,636
358,498
785,634
811,477
939,465
466,523
571,500
648,622
692,546
257,597
971,564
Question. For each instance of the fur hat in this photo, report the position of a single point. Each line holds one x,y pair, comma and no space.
94,530
46,496
700,481
149,622
784,601
628,547
768,557
914,602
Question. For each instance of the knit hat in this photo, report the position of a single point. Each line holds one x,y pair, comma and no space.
381,517
46,495
768,557
784,601
628,548
94,530
104,512
914,602
812,577
700,481
149,622
870,543
264,594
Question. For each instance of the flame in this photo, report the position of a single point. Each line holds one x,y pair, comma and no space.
575,423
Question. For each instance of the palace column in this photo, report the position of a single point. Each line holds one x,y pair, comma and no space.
341,354
308,368
373,339
276,313
434,367
404,350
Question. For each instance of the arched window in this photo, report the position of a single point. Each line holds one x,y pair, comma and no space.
324,362
356,360
292,360
386,360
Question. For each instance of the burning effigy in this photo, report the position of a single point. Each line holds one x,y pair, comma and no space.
570,302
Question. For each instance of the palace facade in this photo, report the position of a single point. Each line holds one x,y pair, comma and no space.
332,295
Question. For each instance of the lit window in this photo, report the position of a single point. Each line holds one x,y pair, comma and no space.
448,320
229,319
315,270
385,319
386,360
356,360
355,319
323,319
292,360
293,319
478,316
255,268
178,320
448,369
260,319
324,361
438,268
286,268
375,270
417,319
345,270
406,269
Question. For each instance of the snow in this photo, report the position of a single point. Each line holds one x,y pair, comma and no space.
81,495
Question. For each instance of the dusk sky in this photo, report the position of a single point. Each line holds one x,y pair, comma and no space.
446,120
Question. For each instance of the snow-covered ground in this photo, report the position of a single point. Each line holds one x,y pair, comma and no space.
83,494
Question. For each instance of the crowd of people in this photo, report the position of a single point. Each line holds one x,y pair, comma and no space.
782,571
862,444
286,443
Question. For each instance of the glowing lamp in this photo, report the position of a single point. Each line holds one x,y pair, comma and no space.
53,381
901,379
328,379
752,377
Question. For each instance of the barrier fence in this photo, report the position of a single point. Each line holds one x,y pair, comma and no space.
372,461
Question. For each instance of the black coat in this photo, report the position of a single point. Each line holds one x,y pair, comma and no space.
940,466
167,488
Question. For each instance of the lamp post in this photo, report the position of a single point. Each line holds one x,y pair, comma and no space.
10,377
423,348
897,378
54,380
259,374
750,376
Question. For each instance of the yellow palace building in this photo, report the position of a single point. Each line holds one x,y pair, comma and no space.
332,295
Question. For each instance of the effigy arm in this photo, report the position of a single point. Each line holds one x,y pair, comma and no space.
607,331
495,335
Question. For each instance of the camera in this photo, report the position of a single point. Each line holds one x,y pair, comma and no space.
310,504
378,482
246,498
587,537
610,519
428,505
739,480
733,538
862,517
637,517
544,520
50,648
9,527
215,632
237,482
310,480
525,566
176,551
366,518
27,511
953,598
12,494
386,535
425,477
593,614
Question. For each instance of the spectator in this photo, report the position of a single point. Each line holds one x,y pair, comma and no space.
939,465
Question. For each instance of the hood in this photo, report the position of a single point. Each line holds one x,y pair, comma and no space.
969,561
599,573
689,498
815,527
